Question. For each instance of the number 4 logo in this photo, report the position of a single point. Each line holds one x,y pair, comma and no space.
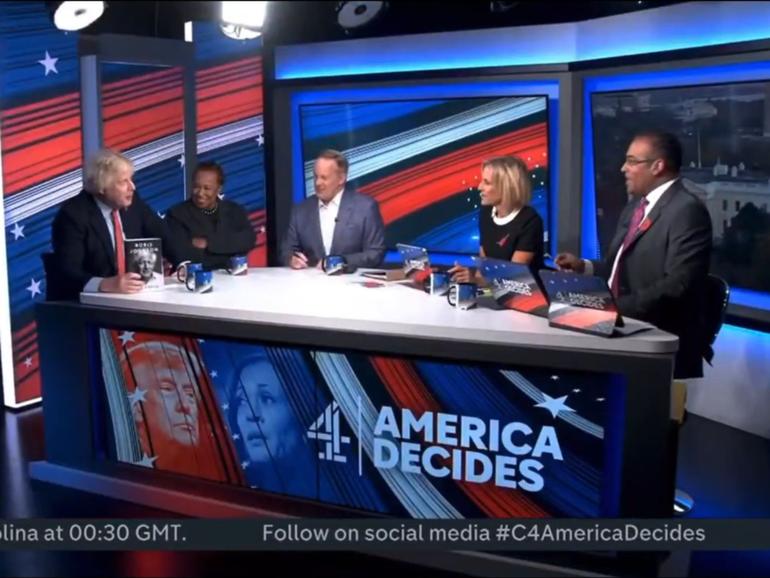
326,428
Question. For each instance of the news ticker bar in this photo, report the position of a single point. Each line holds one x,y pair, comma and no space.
384,534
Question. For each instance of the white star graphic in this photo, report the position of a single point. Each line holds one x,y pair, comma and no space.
180,160
600,399
137,396
576,390
214,374
34,288
28,362
554,405
244,465
49,63
225,406
18,231
236,437
126,337
261,140
201,341
221,196
161,215
555,377
146,461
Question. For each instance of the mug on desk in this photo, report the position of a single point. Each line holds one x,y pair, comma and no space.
437,283
186,269
333,264
237,265
462,295
200,281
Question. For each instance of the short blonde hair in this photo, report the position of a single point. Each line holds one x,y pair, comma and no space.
101,169
511,178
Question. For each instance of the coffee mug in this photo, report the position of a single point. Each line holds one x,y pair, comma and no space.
437,283
200,282
237,265
187,269
333,264
462,295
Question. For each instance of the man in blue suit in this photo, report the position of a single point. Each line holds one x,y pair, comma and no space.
334,221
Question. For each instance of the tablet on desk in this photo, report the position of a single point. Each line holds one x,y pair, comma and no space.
585,303
513,286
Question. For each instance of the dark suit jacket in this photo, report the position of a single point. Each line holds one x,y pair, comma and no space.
82,246
228,233
663,271
359,234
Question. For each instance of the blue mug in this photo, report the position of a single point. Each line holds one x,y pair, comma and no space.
437,283
333,264
237,265
462,295
187,269
200,282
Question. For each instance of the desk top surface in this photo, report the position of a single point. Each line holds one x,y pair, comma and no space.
310,298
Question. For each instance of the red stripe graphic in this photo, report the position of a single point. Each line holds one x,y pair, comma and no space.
42,140
408,390
417,187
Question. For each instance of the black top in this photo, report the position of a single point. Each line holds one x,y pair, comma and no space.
228,232
524,233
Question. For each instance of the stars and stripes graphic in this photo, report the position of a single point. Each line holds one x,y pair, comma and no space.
142,108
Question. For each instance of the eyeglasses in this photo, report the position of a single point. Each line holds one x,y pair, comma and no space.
631,161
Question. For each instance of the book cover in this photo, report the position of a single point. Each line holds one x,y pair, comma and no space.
144,256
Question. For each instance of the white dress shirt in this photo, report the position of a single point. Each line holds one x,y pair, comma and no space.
652,199
327,213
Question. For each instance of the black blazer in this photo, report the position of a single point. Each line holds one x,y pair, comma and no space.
663,271
82,248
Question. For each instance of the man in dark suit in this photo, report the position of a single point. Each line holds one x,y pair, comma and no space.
334,221
658,261
89,229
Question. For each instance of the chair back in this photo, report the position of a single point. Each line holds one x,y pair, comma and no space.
717,296
51,278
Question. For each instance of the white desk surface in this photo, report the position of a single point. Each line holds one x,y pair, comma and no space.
310,298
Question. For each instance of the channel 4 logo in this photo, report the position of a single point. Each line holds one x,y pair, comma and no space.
326,428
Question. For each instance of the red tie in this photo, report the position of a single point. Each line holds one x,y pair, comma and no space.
120,254
636,220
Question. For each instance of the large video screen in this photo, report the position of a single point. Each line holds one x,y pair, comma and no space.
421,159
725,133
407,437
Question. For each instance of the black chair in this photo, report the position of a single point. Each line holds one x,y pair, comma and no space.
55,285
716,296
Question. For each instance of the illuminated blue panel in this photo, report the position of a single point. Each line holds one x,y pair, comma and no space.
663,29
750,71
449,51
382,93
748,298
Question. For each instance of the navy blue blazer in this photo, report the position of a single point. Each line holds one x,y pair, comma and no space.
83,248
359,234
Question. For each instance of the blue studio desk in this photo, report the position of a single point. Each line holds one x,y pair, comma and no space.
293,393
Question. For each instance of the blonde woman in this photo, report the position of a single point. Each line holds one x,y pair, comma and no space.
509,228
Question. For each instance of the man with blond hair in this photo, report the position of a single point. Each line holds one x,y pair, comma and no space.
89,231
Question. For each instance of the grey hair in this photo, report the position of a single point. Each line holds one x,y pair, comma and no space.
101,169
